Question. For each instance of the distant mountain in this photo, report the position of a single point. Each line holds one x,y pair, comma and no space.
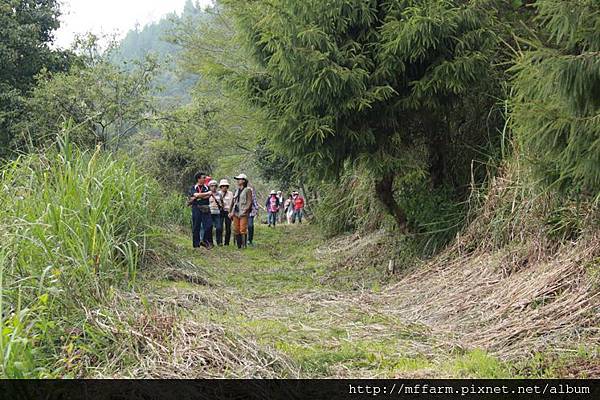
152,39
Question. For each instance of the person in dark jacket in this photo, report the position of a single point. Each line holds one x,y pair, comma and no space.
199,195
273,204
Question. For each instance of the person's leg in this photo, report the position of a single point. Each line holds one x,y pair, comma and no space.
227,222
245,230
237,231
250,227
207,222
201,227
269,218
274,219
218,224
294,216
300,215
196,222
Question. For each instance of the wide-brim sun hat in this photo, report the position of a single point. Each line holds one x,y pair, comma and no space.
241,176
212,183
224,182
273,192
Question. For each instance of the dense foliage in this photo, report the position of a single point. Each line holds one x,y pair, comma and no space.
417,116
556,103
26,32
381,83
78,225
103,103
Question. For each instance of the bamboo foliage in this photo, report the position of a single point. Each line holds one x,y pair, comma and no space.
556,102
353,80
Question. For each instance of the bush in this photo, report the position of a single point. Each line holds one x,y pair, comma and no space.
75,225
435,215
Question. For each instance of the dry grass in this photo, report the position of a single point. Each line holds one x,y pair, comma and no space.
548,305
506,285
165,343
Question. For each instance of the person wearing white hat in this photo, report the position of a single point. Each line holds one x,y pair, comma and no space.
227,197
298,202
288,208
272,207
216,206
240,212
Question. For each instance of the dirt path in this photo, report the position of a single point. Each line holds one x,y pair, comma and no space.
283,299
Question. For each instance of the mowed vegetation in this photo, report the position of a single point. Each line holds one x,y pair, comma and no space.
286,297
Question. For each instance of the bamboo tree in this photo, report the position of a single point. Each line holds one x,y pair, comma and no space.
556,102
373,82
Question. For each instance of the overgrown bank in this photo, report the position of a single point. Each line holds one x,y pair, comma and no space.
75,227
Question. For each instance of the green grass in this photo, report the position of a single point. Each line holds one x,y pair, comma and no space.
276,296
77,227
74,295
478,364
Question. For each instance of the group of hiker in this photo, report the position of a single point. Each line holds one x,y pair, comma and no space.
216,207
280,209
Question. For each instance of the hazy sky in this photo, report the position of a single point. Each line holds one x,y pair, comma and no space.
109,16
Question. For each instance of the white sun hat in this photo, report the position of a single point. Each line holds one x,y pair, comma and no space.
212,183
273,192
224,182
241,176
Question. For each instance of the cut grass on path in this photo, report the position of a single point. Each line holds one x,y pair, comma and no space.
275,295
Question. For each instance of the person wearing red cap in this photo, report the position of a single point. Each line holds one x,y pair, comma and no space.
199,195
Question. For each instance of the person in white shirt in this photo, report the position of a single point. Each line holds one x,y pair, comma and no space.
216,206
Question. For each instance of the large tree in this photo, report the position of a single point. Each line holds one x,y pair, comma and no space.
26,32
380,82
104,102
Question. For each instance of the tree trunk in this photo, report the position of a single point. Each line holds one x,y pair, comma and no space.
437,148
385,193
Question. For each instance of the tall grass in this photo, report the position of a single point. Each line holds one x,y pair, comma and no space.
73,226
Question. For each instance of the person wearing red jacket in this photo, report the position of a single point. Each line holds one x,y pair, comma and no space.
298,204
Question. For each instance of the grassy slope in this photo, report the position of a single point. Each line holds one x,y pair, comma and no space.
280,297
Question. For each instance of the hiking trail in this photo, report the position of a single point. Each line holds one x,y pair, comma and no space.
296,316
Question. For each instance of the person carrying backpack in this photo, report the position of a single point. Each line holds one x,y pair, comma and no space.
272,207
252,217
